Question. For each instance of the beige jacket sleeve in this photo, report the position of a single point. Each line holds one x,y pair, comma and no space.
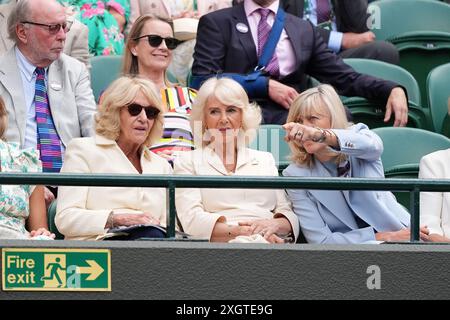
76,44
431,203
194,219
72,218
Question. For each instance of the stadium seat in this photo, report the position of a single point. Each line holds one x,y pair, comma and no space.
420,29
438,92
372,112
403,149
105,69
270,138
51,213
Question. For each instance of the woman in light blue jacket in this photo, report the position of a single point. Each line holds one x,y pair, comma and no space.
324,144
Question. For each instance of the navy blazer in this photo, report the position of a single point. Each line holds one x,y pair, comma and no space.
220,48
329,216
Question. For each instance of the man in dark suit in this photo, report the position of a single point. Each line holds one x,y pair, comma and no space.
344,28
225,43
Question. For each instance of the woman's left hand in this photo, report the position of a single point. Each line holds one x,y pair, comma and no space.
268,228
41,232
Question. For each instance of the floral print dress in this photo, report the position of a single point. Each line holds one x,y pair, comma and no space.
14,199
105,38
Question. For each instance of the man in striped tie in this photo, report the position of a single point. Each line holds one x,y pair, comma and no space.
48,95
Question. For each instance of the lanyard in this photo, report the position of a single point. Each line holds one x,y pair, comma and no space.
272,41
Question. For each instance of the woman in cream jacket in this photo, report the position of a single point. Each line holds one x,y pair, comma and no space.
222,118
129,119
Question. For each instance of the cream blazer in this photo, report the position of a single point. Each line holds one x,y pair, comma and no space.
435,206
82,211
199,209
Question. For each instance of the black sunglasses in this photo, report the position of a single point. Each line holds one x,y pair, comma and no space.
155,41
135,109
53,28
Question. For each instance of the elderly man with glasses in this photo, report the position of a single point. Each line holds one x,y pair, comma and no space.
76,44
48,94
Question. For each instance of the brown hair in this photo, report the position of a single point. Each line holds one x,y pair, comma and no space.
130,65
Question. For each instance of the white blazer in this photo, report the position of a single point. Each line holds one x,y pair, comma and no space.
199,209
435,206
329,216
82,211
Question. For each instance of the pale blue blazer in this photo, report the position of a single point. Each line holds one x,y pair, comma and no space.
326,216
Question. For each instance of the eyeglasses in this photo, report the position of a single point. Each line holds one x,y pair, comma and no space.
155,41
134,109
53,28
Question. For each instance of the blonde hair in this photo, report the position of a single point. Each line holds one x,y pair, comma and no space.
3,118
130,62
230,93
322,99
121,93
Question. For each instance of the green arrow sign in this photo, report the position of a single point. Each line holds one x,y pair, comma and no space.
56,269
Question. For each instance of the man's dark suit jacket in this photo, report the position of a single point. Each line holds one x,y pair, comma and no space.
351,16
221,48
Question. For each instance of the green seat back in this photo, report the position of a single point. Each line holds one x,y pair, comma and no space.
51,213
372,112
104,70
392,18
422,36
270,138
403,149
438,91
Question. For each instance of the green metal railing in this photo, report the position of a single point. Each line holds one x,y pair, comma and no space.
171,182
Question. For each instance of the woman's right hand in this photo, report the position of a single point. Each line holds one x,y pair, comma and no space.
401,235
131,219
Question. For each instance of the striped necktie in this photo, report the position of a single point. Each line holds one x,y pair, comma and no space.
48,142
264,28
343,169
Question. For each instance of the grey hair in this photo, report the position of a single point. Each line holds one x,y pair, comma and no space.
20,12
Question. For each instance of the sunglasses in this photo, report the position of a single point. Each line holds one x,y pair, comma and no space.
155,41
135,109
53,28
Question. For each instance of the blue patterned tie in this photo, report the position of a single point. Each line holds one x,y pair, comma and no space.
48,142
264,28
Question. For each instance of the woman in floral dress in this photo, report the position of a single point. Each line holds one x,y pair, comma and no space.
106,20
22,207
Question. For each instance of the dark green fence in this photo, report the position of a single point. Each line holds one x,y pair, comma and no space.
170,182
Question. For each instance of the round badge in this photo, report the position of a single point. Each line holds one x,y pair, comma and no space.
242,27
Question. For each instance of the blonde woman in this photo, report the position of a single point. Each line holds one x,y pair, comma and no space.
324,144
129,119
224,122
